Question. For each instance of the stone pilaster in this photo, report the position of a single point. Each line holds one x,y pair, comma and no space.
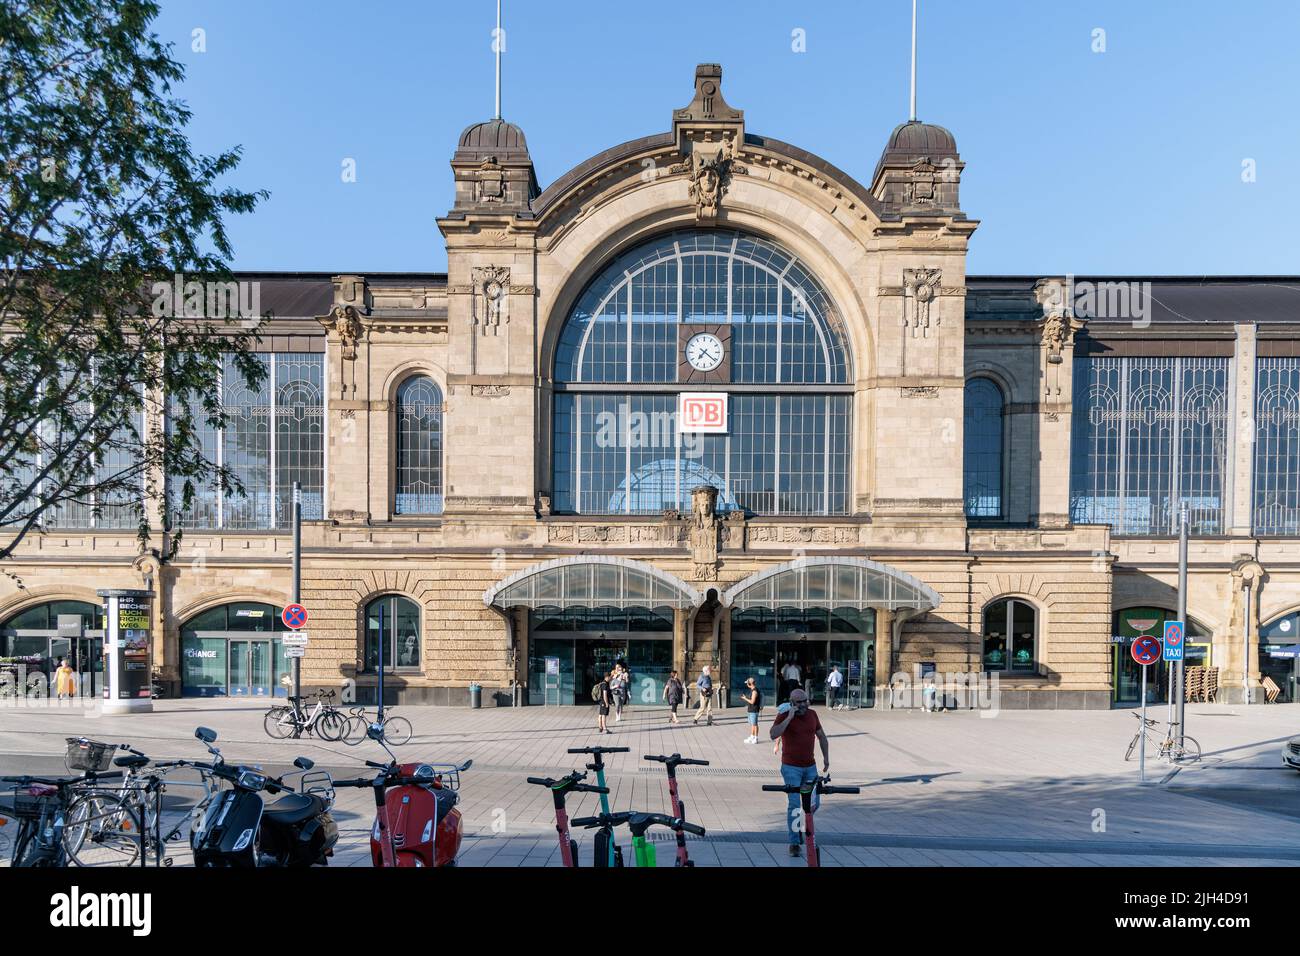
1241,437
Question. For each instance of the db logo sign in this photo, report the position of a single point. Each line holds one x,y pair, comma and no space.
702,412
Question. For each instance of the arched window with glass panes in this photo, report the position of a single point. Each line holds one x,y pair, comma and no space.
418,485
712,312
394,622
982,455
1011,636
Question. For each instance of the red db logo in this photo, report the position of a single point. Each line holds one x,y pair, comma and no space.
702,412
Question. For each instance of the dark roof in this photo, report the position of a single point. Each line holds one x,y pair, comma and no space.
1177,299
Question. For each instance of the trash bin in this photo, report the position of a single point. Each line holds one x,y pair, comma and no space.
475,696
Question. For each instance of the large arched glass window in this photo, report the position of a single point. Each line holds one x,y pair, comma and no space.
419,447
982,455
1010,634
780,363
396,621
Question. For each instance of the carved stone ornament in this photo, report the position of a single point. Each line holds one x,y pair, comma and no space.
709,176
489,391
919,190
491,284
346,322
704,533
491,182
1055,333
920,287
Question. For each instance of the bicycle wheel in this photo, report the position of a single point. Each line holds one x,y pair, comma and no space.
1132,747
102,829
355,731
279,722
331,725
1190,752
397,731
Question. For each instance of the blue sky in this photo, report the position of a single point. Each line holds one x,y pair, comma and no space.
1125,161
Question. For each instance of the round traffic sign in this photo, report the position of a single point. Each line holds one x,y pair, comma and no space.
1173,634
1145,649
294,616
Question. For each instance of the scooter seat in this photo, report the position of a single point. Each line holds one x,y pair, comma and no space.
295,808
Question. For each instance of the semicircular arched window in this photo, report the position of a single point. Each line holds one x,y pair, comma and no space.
734,319
418,484
982,454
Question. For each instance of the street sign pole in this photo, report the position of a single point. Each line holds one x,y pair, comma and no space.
297,575
1142,742
1182,616
381,662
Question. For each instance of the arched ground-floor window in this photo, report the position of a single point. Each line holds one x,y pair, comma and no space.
1011,637
30,644
393,623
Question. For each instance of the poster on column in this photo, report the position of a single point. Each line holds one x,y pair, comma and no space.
126,645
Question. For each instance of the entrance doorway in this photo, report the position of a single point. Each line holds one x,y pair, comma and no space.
1126,684
766,660
569,651
234,650
1279,655
250,669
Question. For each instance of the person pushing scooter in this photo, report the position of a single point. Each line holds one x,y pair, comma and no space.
796,730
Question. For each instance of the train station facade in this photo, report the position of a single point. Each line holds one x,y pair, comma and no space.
708,399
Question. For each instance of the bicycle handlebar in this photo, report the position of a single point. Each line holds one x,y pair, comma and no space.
676,759
61,781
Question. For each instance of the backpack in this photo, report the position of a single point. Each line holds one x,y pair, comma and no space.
596,694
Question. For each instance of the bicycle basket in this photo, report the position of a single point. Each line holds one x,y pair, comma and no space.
24,807
89,755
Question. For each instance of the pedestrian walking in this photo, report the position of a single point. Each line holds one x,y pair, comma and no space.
705,707
796,732
753,698
674,694
790,677
619,680
604,699
65,682
834,681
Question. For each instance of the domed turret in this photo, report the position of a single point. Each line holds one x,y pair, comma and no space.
919,169
493,170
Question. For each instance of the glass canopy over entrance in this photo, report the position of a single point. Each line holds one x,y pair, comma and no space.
592,582
832,583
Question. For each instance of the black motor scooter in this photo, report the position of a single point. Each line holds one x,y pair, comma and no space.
240,829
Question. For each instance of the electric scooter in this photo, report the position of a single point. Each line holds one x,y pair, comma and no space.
805,791
607,851
416,820
560,789
638,823
679,808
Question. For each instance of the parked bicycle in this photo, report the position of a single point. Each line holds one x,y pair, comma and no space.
108,826
396,731
292,720
1173,748
40,808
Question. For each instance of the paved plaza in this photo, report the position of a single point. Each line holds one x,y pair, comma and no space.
950,789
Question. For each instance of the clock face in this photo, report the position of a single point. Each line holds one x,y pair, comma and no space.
704,352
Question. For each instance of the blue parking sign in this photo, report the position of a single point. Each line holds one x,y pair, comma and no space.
1173,641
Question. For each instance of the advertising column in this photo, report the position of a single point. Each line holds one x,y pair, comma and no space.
127,670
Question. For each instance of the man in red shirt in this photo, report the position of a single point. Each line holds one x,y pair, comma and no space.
796,730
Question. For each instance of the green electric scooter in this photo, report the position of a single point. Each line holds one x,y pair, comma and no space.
607,852
638,824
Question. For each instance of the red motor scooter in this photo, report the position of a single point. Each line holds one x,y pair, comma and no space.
416,820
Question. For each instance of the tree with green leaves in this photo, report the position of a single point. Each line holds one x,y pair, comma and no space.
103,205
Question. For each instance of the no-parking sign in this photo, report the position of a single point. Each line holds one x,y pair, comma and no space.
1173,640
1145,650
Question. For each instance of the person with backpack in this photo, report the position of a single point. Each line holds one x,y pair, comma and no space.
600,693
705,707
753,698
674,694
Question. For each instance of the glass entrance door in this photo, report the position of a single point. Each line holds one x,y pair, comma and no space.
250,669
595,659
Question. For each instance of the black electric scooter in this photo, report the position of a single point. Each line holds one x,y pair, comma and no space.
607,852
239,829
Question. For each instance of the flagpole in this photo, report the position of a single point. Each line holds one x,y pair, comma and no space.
913,113
497,45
